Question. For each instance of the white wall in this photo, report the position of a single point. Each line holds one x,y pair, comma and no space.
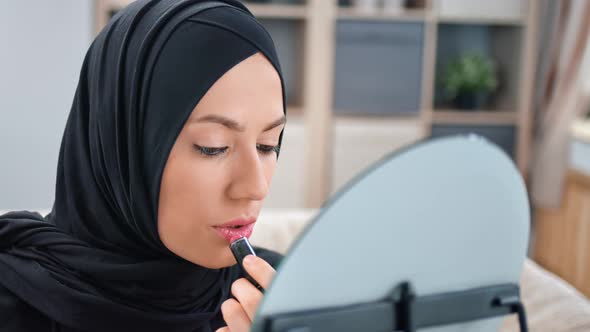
42,45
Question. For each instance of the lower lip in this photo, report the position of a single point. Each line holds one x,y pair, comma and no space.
232,234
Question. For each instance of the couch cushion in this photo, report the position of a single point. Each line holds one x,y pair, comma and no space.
551,303
276,228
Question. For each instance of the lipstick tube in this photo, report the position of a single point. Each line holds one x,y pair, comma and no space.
240,249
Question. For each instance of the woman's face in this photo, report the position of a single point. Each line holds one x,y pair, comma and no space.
222,162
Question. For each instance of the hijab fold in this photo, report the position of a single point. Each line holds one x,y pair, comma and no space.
96,262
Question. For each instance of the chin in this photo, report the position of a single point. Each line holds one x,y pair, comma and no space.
228,258
223,260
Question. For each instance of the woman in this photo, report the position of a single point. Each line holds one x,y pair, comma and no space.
175,129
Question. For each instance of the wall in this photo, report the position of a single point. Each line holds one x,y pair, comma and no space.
43,45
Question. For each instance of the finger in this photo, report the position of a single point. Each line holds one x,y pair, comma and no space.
234,316
223,329
259,269
248,296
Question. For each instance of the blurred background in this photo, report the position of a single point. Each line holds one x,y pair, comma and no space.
364,78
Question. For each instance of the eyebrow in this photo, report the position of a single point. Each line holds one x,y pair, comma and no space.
232,124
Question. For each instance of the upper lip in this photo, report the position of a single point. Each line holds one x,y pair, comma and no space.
238,222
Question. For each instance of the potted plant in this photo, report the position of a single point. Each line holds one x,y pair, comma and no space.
469,80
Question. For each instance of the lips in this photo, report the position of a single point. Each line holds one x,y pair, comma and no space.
232,234
238,222
235,229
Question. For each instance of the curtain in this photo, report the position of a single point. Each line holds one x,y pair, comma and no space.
560,96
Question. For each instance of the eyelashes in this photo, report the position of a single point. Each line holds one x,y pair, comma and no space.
214,152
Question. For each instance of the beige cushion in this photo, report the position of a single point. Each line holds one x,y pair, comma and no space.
551,303
277,228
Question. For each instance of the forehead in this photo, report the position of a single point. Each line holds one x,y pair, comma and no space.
249,91
254,78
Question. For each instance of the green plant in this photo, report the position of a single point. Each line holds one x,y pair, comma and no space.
470,73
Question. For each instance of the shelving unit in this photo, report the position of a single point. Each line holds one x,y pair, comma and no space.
481,20
482,117
311,37
410,15
279,11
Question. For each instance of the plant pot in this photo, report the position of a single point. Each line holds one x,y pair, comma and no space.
471,101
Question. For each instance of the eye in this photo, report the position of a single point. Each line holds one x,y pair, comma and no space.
268,149
210,151
213,151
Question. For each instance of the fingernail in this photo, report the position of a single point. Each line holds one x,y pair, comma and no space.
248,260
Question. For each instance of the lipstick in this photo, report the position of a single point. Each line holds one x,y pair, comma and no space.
235,229
241,248
231,234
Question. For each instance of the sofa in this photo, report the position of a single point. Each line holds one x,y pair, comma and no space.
551,303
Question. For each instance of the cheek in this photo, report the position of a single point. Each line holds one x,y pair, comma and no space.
190,194
192,187
195,180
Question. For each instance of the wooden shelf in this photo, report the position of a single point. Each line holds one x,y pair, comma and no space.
377,117
284,11
481,20
259,10
376,120
411,15
483,117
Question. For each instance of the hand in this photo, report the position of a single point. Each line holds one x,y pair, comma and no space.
238,315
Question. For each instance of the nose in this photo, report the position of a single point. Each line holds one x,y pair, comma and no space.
249,180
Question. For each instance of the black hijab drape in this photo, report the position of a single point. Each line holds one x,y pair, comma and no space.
96,261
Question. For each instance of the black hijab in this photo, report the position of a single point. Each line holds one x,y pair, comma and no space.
96,260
